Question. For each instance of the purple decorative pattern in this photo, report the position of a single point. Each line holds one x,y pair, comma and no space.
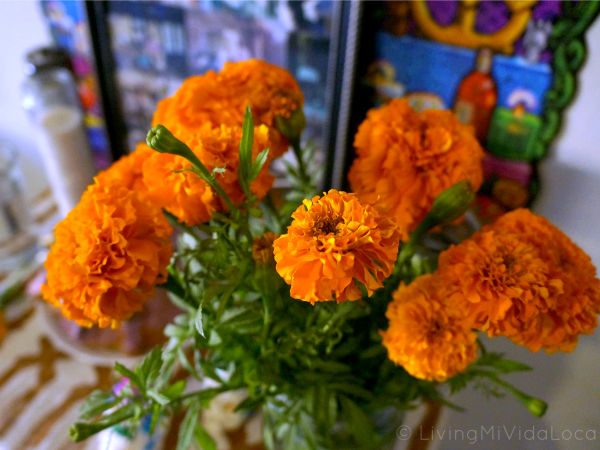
443,13
492,15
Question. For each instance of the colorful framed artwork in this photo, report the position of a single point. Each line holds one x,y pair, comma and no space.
507,68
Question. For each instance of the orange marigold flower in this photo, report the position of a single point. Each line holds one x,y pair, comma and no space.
407,159
221,98
109,253
574,310
174,187
128,170
262,249
429,338
499,280
333,241
183,193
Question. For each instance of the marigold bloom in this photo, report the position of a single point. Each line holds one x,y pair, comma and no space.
407,159
500,281
574,310
128,170
109,253
333,241
262,249
221,99
173,186
429,338
524,279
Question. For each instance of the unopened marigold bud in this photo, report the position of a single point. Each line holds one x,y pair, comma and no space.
160,139
451,204
292,126
535,406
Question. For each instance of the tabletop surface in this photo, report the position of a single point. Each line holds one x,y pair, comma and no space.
44,380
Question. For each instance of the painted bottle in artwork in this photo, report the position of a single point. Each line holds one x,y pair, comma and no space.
477,96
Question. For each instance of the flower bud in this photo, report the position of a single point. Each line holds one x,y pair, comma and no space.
292,126
160,139
535,406
451,204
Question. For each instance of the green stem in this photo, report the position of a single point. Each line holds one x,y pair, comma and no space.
535,406
80,431
301,168
163,141
205,393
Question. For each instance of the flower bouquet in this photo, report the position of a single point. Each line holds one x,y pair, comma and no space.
334,312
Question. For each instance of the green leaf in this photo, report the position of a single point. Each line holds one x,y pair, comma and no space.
358,421
186,363
188,425
133,378
321,365
198,322
258,164
268,437
159,398
156,413
80,430
308,430
352,389
175,390
241,314
246,151
256,212
97,402
213,290
175,289
176,331
214,338
149,369
224,300
249,404
204,439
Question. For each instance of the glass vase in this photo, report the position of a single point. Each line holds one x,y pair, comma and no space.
378,434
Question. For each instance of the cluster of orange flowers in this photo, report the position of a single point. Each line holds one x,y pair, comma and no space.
523,278
333,241
114,246
520,277
405,160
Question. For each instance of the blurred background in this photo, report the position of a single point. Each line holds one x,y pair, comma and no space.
569,197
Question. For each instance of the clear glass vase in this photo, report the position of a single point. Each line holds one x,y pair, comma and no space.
378,434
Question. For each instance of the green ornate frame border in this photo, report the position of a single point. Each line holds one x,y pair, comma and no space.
567,44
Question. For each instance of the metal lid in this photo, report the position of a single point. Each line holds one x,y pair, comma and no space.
44,58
